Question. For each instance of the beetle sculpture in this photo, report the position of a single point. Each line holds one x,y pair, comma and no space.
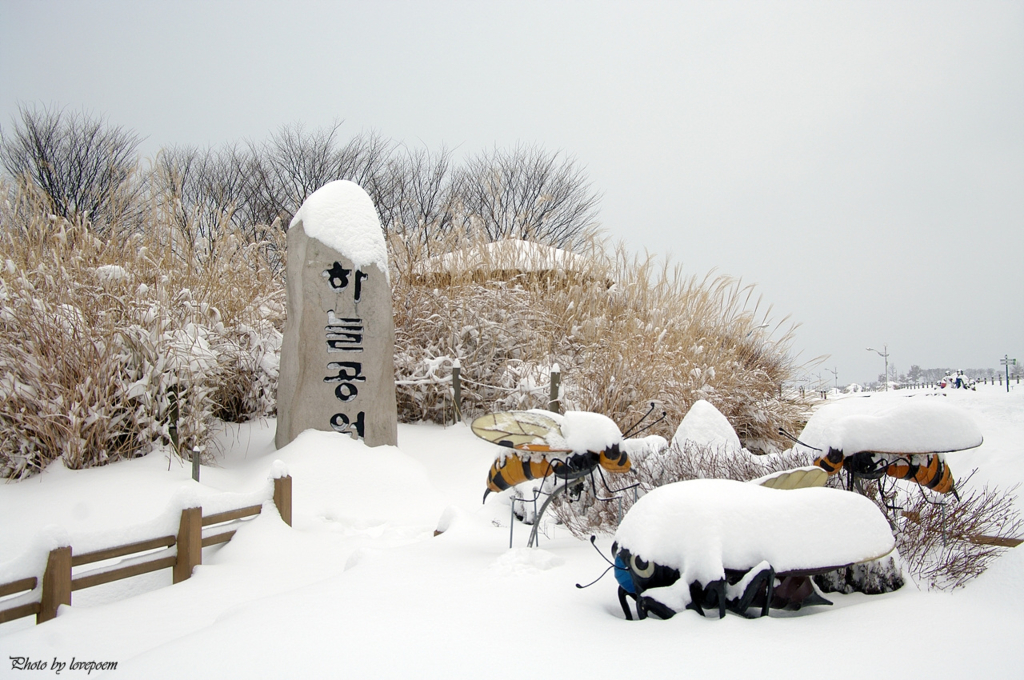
733,546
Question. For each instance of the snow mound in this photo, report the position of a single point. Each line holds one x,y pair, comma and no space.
919,425
704,425
525,561
639,448
341,216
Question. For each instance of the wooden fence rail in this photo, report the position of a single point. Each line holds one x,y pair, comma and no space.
187,553
554,400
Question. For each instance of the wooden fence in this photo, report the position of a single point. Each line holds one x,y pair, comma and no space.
188,544
554,402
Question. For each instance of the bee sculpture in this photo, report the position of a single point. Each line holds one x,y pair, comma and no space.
907,441
716,544
542,444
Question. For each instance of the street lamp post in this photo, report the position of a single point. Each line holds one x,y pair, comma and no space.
884,355
1007,361
836,374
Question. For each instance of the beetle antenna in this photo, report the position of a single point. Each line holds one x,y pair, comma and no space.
596,579
593,542
664,414
611,565
642,419
792,438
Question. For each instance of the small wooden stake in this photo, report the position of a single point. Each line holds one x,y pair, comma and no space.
190,543
283,498
56,583
553,405
457,391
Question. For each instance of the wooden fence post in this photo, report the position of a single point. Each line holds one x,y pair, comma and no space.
457,390
556,378
283,497
56,583
172,417
189,542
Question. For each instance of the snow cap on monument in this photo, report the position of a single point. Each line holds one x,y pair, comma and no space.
341,216
337,354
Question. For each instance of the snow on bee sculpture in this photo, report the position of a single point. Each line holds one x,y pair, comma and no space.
736,546
905,440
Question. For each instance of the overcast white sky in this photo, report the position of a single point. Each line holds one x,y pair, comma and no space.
861,162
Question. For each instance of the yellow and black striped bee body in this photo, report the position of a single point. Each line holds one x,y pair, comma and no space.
521,466
931,473
926,469
516,469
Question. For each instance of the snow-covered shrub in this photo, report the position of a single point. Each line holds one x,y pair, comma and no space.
624,333
871,578
944,541
492,330
110,347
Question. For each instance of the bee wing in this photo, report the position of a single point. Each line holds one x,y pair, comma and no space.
523,430
797,478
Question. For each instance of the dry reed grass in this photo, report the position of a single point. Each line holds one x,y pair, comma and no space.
111,346
104,341
624,331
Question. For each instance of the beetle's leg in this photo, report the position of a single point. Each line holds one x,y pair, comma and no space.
625,606
696,598
751,594
647,604
769,591
717,590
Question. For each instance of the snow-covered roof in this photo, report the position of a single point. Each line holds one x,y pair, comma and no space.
508,255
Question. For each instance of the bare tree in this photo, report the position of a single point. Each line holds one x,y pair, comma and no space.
201,191
530,194
425,201
282,172
83,165
420,195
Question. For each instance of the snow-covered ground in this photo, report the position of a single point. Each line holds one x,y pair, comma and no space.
360,587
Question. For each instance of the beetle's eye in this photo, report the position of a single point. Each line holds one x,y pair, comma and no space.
641,567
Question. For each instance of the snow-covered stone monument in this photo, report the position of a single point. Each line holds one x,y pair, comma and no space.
337,355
